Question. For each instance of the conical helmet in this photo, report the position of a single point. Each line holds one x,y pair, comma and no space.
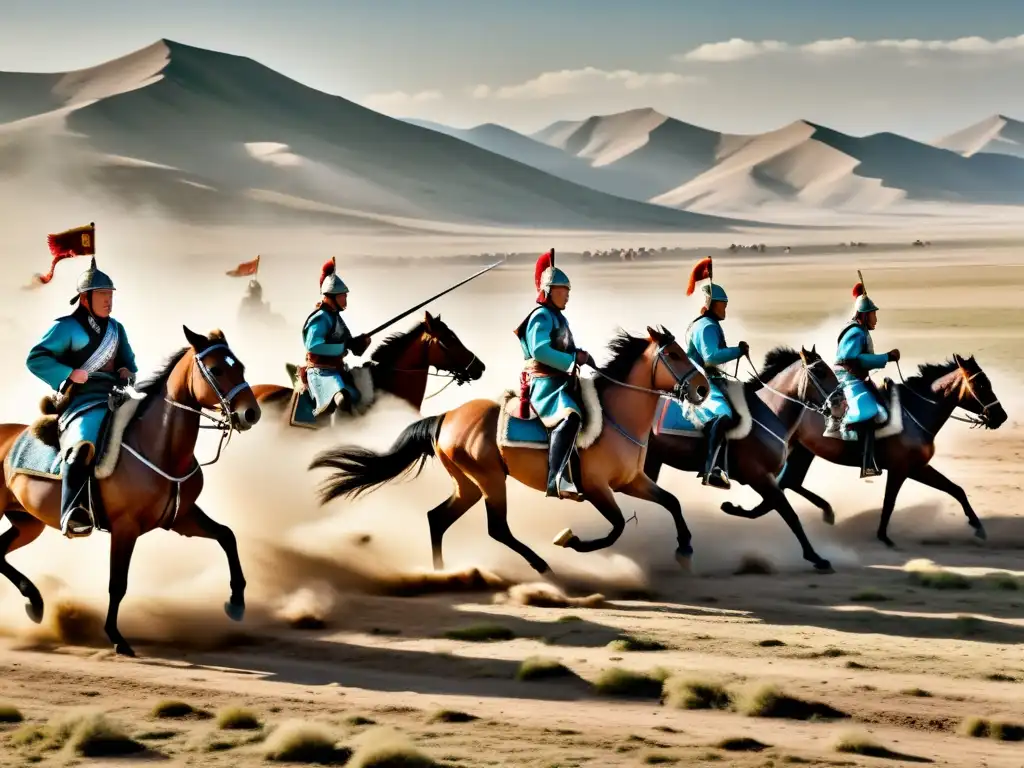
712,291
547,276
330,283
93,280
861,301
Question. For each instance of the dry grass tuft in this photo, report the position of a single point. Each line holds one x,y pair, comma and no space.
769,701
179,710
481,633
680,693
298,741
238,719
625,683
386,748
542,668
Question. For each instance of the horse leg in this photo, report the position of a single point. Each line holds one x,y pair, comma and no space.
652,466
643,487
792,479
195,522
122,545
736,510
773,495
24,530
497,526
893,482
444,515
604,502
930,476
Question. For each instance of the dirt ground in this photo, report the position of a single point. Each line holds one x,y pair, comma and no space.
906,647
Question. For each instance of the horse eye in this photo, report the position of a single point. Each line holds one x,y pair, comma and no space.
215,370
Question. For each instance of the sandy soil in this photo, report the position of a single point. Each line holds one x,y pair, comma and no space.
330,639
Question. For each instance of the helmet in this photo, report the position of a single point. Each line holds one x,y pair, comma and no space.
330,283
861,301
712,291
93,280
547,276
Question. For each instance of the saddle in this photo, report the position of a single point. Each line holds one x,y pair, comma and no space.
887,424
301,406
515,431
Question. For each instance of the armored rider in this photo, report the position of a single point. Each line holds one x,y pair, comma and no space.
83,356
327,341
549,379
705,345
855,358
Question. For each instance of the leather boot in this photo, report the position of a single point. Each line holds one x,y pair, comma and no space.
714,474
868,465
75,518
563,439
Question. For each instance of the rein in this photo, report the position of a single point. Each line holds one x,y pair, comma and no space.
808,376
974,421
459,377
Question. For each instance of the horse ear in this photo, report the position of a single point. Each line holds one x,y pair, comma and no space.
814,349
803,354
652,334
958,360
196,340
427,320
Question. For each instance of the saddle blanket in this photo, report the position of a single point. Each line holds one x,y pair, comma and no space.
673,417
889,421
301,405
31,456
514,432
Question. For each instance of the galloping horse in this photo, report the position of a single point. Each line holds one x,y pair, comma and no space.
466,440
155,486
926,402
401,364
757,450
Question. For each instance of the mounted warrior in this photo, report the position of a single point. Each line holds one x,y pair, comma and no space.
83,357
705,345
549,381
855,359
328,340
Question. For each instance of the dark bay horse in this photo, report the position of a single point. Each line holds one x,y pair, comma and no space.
401,365
928,400
465,440
802,382
155,485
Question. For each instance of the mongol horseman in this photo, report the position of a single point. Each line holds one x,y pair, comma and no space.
549,379
327,341
83,356
855,359
705,345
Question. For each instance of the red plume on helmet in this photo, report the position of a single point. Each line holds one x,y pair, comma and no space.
701,271
327,269
858,290
544,263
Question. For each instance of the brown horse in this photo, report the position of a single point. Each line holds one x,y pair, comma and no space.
466,441
401,365
926,402
156,485
799,382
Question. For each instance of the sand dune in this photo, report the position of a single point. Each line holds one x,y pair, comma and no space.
998,135
209,128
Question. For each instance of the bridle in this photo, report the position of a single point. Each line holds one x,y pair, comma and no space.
458,376
808,377
965,385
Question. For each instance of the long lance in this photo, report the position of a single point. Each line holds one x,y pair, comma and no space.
409,311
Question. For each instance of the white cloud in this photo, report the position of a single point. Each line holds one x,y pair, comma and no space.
569,81
399,101
738,49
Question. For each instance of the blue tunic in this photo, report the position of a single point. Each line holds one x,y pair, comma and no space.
857,348
706,347
547,340
53,360
326,335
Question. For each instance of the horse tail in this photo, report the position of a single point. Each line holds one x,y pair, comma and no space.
359,470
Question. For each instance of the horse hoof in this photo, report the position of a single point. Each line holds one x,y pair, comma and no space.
541,567
824,566
563,538
685,560
828,517
979,532
35,612
235,611
887,541
123,649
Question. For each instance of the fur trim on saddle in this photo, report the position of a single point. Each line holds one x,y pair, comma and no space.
738,399
362,377
593,415
47,432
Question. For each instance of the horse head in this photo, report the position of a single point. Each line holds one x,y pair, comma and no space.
217,380
820,388
671,370
446,352
976,394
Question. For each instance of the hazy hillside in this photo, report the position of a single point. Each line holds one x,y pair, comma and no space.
208,136
997,135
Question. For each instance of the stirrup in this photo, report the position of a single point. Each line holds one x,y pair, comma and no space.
73,529
568,490
717,478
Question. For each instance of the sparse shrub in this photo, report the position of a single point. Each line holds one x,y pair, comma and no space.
452,716
626,683
771,643
298,741
385,748
741,744
10,714
238,719
680,693
542,668
769,701
632,643
481,633
174,709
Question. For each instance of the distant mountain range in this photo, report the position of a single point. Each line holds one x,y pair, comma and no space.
209,137
647,156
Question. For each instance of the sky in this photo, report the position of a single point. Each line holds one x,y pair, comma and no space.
922,68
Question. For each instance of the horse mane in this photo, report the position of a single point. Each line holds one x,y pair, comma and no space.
395,344
775,362
624,350
155,384
927,374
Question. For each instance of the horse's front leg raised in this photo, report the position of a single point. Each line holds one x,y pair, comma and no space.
931,477
195,522
604,501
643,487
122,545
